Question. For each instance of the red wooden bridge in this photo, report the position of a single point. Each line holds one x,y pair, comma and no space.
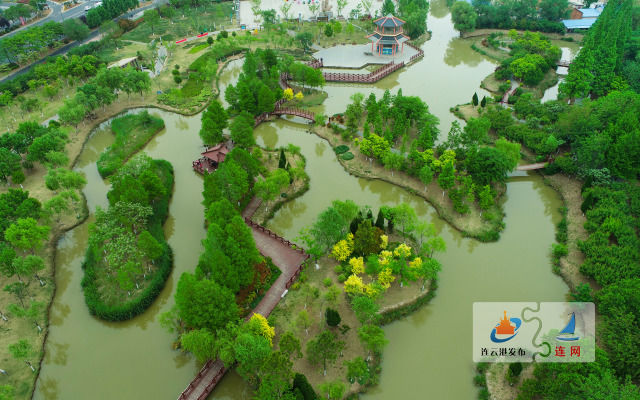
298,112
285,255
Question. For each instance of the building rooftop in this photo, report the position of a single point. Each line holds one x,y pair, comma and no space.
389,22
579,23
590,12
216,153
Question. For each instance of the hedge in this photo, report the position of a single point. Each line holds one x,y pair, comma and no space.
140,303
341,149
400,312
132,132
347,156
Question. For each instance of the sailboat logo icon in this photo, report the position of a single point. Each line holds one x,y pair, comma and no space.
567,334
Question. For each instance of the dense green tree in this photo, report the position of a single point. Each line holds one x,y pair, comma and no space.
372,336
55,140
64,178
267,189
204,303
446,179
289,344
488,165
230,254
366,239
388,8
229,181
214,121
358,370
510,150
332,317
553,10
201,343
251,351
9,163
242,130
26,235
74,29
305,39
464,20
365,308
324,349
301,384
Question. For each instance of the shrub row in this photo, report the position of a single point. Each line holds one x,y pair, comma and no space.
400,312
138,304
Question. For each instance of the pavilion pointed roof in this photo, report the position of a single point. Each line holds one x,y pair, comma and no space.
216,153
389,22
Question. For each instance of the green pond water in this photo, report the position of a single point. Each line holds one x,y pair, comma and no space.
429,354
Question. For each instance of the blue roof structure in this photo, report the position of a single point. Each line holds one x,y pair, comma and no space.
590,12
579,23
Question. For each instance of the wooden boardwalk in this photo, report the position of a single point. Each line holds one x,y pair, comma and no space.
531,167
289,258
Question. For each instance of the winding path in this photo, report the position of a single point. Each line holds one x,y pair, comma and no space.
289,259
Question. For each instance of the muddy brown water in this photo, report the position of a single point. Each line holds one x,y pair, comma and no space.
429,354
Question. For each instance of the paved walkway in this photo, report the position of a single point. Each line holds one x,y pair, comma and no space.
285,258
288,260
251,208
353,56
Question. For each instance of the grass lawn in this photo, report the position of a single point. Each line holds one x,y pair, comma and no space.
198,48
312,97
187,21
125,49
285,314
359,35
132,132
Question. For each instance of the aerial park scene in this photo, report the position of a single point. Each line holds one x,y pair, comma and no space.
306,199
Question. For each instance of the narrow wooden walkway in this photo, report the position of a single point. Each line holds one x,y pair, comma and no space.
289,258
531,167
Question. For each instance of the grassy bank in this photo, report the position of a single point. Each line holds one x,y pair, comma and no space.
483,226
396,302
298,186
185,21
357,34
102,294
132,132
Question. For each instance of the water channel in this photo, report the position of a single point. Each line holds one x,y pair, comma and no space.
429,354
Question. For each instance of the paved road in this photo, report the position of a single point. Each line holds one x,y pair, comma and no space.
92,36
56,15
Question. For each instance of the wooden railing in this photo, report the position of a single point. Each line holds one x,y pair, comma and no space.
371,77
295,111
185,393
207,391
316,63
415,56
274,235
